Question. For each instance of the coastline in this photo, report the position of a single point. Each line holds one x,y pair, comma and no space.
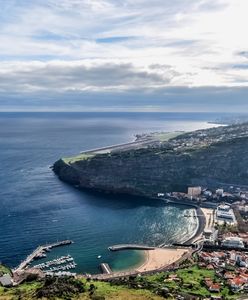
201,220
160,258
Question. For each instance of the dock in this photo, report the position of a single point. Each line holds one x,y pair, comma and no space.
105,268
130,247
39,252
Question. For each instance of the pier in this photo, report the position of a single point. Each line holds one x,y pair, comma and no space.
105,268
130,247
39,252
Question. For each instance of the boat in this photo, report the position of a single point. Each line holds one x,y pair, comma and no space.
99,256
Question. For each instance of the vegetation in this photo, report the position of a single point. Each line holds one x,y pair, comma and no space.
4,270
225,228
164,166
188,282
68,288
165,136
83,156
242,225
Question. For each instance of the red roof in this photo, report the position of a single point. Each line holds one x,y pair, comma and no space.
237,281
214,287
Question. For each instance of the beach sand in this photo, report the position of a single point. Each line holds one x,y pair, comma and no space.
161,257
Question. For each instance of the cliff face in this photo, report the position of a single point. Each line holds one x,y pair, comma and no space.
215,155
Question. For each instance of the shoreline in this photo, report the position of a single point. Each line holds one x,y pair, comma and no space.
160,258
201,217
155,260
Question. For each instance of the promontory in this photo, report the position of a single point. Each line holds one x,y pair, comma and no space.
162,162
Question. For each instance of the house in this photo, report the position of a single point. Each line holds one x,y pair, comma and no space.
236,283
208,282
172,277
229,275
215,287
194,191
244,276
210,267
6,280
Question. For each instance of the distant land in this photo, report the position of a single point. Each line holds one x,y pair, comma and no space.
162,162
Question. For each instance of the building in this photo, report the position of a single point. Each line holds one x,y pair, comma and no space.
236,283
207,193
219,192
233,242
194,191
225,212
215,287
210,235
160,194
224,207
6,280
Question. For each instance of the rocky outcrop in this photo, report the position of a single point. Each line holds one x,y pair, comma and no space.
203,157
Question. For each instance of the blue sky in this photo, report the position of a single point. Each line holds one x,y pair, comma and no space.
124,55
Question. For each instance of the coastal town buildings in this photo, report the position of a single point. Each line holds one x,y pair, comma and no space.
194,191
6,280
224,213
233,242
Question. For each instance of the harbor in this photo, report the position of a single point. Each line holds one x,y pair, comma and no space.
63,263
40,252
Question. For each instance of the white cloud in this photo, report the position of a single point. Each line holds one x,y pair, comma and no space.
197,39
60,76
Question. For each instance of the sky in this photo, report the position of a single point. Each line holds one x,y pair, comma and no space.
129,55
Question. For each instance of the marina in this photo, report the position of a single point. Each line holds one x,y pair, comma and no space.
62,263
39,253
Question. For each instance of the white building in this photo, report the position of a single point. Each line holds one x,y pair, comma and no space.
160,194
219,192
224,207
233,242
210,235
225,212
194,191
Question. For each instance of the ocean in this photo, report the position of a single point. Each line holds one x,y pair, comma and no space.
37,208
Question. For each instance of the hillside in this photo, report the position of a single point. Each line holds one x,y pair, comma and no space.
188,284
212,156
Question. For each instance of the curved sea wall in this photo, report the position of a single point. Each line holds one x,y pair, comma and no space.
201,157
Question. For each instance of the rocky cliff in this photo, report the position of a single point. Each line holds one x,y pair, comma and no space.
217,155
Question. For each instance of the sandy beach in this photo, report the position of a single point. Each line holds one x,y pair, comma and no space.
161,257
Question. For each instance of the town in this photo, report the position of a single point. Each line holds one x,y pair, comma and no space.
221,248
225,237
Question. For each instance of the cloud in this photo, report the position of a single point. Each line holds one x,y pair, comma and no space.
169,99
111,45
64,76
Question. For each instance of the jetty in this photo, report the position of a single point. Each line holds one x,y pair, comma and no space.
105,268
39,253
130,247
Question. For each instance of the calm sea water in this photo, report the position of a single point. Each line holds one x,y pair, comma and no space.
35,207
